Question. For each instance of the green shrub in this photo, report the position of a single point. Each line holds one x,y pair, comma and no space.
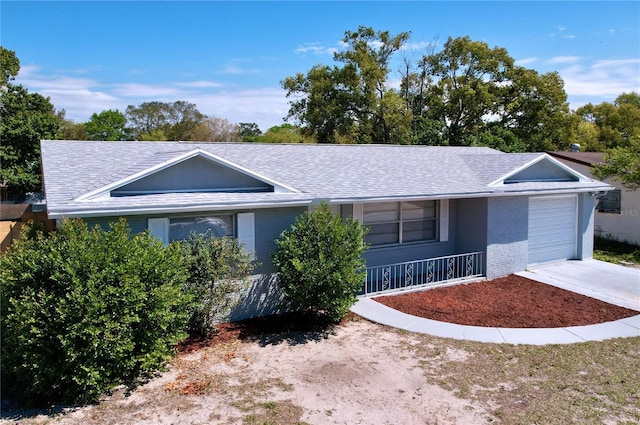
84,310
219,272
320,263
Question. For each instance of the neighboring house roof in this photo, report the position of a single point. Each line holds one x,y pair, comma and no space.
584,158
83,178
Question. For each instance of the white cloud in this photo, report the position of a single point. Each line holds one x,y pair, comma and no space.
563,59
236,70
137,90
200,84
603,78
265,106
315,48
81,97
526,61
421,45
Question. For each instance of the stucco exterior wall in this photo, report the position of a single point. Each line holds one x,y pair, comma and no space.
270,223
586,219
471,225
507,231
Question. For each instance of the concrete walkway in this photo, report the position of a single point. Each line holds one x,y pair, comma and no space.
614,284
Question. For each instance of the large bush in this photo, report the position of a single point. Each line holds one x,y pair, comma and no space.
84,310
320,263
219,271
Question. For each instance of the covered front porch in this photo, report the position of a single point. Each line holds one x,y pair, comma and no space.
458,252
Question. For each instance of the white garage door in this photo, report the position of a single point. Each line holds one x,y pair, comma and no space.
552,228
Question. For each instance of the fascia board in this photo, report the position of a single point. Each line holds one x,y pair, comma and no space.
79,212
105,190
484,194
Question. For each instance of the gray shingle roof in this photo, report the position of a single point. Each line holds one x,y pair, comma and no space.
333,172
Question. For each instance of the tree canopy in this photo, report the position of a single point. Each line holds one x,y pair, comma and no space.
107,125
214,129
465,94
27,118
616,129
622,163
614,124
352,101
163,120
477,95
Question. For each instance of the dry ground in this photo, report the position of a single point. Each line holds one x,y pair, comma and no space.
364,373
287,370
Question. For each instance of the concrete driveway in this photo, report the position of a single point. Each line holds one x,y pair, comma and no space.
608,282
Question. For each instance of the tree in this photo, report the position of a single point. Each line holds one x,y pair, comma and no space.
213,129
617,123
107,125
471,89
219,270
27,118
324,102
69,129
319,262
622,163
175,121
249,131
84,310
9,66
465,94
348,101
285,133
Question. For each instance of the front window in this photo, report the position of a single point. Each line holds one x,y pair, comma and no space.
400,222
219,226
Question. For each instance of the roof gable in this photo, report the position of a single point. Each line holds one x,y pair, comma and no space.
541,169
196,171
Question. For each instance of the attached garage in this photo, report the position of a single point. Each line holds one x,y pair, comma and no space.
552,228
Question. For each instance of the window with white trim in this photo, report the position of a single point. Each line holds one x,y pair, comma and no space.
219,226
400,222
241,226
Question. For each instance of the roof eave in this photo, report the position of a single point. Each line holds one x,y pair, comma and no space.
77,212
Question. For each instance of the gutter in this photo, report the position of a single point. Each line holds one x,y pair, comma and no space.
108,212
173,209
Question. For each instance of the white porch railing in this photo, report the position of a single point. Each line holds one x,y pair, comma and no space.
423,273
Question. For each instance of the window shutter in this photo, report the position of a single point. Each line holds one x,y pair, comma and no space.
358,212
246,233
444,220
159,228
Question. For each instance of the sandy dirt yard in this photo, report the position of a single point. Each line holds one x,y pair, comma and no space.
356,373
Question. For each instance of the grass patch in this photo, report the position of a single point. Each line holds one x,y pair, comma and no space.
275,413
587,383
614,251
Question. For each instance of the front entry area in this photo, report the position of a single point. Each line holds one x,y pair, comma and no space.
552,228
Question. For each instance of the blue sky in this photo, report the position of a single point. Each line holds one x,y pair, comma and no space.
229,57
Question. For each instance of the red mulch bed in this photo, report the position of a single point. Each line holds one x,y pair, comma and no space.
508,302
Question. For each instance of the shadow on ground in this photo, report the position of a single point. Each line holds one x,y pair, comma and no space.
290,328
